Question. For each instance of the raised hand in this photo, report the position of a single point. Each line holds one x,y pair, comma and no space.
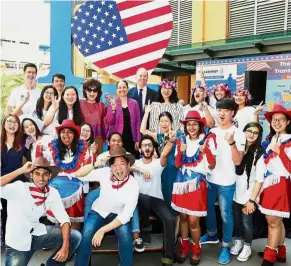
113,105
108,98
172,135
27,167
259,108
183,147
56,102
229,137
93,148
148,109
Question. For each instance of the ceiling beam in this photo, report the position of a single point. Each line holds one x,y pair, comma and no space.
175,68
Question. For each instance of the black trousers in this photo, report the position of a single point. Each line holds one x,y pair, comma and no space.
147,205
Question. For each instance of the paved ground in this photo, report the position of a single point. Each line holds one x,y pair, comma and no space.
209,257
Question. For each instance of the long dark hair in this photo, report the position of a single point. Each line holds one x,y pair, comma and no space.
37,131
167,114
173,98
91,139
63,108
253,153
63,148
192,99
17,143
226,89
40,101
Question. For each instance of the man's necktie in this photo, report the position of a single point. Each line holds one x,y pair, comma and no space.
140,101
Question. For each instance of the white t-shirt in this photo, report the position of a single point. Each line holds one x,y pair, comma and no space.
153,186
224,172
17,96
242,193
244,116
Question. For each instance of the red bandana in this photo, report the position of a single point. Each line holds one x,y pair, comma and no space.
116,184
39,195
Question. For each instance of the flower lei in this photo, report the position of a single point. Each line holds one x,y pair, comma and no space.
167,82
76,163
205,88
245,93
222,85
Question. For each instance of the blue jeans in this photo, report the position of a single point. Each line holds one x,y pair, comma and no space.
225,199
53,239
92,224
93,195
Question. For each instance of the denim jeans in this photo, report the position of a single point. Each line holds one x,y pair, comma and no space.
225,199
147,204
243,224
53,239
93,195
92,224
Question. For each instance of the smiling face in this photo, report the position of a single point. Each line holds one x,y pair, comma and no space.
70,97
166,92
30,74
165,124
279,123
199,95
219,93
239,98
11,125
85,132
48,94
92,94
141,77
193,128
252,134
120,167
115,142
59,84
29,128
122,89
67,136
40,177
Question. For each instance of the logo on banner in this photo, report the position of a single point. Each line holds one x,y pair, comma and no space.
122,36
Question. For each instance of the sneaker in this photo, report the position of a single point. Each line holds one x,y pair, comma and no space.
206,239
237,246
245,254
138,245
146,237
224,256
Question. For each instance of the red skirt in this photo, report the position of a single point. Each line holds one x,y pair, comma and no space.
275,200
192,203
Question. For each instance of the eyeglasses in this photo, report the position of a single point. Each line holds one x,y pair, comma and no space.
92,90
281,119
11,122
252,133
49,93
86,131
147,145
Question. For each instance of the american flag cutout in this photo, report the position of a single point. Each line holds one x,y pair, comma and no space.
122,36
251,66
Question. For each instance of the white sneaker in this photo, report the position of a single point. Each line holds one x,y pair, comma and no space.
237,246
245,254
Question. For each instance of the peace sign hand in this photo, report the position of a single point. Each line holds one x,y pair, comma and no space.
259,108
56,102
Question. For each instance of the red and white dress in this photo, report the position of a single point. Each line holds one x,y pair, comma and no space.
190,188
275,197
70,189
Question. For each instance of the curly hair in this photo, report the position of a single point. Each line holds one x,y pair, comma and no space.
93,83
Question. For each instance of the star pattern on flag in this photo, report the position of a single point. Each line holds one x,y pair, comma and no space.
97,26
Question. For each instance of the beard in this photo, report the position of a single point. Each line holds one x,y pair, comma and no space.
149,156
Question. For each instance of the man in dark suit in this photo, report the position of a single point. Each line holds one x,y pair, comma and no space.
141,93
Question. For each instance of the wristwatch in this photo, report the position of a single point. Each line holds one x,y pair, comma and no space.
252,201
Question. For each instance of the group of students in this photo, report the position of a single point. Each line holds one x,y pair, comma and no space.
163,158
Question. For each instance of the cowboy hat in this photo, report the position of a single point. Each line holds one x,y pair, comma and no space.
277,108
67,123
41,162
194,116
121,152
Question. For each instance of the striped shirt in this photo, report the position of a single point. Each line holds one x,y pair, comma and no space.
175,109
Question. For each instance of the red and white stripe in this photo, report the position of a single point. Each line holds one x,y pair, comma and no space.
240,81
148,25
258,66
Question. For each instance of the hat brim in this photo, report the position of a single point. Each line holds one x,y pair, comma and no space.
269,115
202,120
128,156
54,170
75,128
